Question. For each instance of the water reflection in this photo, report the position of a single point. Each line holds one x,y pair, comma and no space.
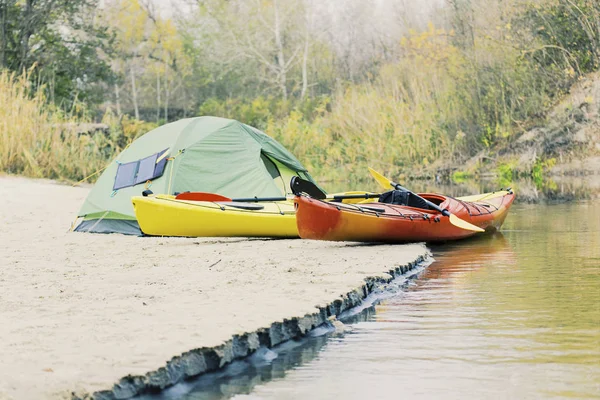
512,316
264,366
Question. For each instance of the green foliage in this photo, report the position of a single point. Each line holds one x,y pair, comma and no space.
64,44
256,112
509,170
506,173
124,129
568,32
538,169
461,176
260,110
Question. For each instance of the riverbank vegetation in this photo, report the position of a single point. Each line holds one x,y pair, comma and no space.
42,140
442,89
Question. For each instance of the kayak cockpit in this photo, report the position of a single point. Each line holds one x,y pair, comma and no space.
408,199
436,199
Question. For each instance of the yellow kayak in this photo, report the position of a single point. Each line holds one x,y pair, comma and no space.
163,215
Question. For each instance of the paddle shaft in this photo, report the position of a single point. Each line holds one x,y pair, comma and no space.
355,196
259,199
334,198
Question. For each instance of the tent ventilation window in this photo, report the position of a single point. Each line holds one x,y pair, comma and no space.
140,171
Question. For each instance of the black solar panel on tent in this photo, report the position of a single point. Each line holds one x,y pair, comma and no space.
125,175
140,171
146,169
160,167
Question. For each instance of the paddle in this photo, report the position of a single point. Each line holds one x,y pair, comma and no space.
297,184
454,220
204,196
201,196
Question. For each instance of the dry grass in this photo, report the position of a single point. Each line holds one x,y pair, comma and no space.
33,137
40,140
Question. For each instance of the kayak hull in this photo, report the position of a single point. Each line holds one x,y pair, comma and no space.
166,216
379,222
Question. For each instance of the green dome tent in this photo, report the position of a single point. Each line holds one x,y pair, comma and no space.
203,154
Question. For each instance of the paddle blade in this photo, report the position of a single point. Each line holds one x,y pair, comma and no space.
201,196
382,180
454,220
299,185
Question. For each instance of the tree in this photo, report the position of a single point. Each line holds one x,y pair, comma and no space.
267,36
129,20
566,34
62,41
151,59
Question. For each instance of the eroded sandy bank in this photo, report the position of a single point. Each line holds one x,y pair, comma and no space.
81,311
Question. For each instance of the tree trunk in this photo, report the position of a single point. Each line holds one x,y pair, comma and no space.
118,99
157,96
3,19
597,13
596,33
305,61
134,93
597,18
166,94
280,56
25,34
166,106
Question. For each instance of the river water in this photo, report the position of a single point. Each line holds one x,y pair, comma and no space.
513,315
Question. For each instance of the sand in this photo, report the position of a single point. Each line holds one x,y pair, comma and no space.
79,311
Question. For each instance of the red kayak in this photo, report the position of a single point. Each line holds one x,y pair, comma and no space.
382,222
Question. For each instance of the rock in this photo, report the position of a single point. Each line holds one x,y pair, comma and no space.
340,328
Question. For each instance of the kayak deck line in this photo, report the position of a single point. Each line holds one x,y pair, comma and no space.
377,211
482,207
227,206
197,362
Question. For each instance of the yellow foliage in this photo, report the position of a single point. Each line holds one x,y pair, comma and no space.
130,21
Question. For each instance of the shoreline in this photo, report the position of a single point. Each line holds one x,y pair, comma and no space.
240,376
82,312
197,362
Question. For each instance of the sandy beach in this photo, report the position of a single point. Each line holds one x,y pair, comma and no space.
80,311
